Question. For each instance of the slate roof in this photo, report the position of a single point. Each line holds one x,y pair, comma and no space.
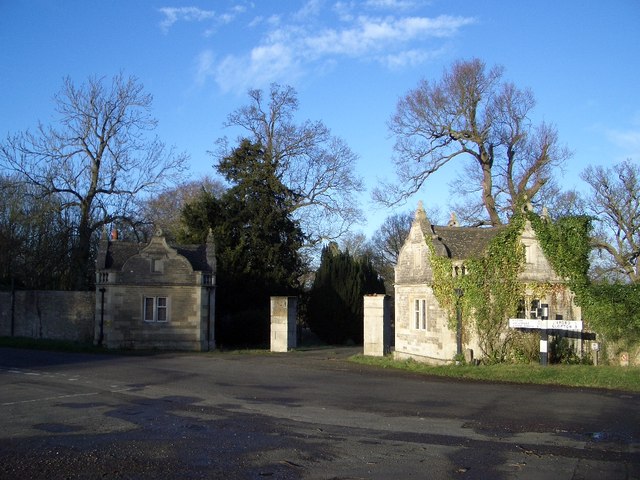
118,252
466,242
196,254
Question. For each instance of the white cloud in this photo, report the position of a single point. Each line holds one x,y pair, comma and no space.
263,65
627,141
173,15
288,47
311,8
187,14
205,66
231,15
624,138
393,5
377,34
408,58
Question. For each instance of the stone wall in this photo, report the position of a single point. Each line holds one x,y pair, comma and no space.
48,314
186,327
431,342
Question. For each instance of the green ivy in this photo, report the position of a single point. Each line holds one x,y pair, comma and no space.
611,310
492,290
566,245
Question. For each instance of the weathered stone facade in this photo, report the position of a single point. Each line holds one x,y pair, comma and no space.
377,325
421,326
155,295
47,314
284,332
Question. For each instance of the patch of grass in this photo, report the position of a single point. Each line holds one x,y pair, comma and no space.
584,376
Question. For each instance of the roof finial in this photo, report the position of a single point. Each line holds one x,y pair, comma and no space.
545,214
420,213
421,217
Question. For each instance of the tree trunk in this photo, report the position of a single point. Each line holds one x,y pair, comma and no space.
487,188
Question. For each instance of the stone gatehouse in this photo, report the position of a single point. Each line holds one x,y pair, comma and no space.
155,295
421,326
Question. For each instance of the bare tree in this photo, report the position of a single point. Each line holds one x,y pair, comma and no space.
470,113
97,161
614,201
355,243
164,211
317,167
389,238
34,238
385,245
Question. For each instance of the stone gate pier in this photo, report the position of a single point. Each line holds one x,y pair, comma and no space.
284,311
377,325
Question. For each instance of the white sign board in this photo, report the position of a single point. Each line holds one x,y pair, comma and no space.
567,325
524,323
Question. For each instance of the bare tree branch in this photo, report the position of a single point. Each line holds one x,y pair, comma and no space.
614,202
99,156
318,168
470,113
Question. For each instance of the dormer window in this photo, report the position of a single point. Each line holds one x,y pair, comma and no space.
417,258
157,265
528,253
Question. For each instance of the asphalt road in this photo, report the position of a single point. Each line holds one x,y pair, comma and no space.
301,415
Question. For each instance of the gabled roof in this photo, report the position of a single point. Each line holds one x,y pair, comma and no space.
112,255
466,242
196,254
457,243
117,253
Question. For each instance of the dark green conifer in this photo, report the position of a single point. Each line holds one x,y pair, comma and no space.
335,310
257,244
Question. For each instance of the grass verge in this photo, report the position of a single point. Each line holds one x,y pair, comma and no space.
582,376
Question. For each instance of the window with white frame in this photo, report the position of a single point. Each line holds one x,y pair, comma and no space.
156,309
420,314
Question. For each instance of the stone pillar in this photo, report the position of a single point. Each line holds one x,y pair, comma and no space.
377,325
284,311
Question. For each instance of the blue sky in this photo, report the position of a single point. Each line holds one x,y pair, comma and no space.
349,60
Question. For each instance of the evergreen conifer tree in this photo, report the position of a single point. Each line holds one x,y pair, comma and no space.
257,244
335,309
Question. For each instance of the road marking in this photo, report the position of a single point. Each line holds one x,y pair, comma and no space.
50,398
112,388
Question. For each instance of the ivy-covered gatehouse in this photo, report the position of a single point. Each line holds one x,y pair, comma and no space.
457,287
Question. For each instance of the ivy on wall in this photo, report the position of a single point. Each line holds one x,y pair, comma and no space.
611,310
492,291
566,245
